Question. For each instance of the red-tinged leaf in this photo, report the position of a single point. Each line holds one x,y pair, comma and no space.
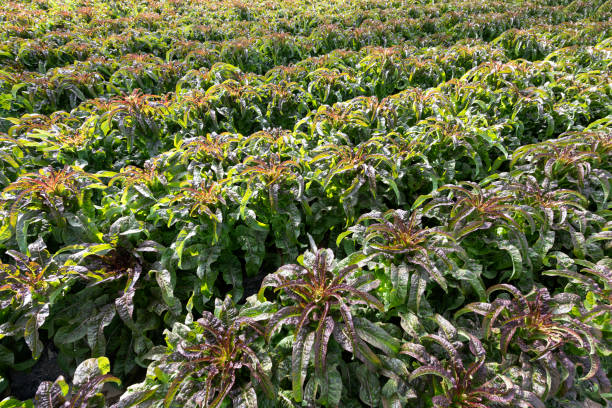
175,385
347,316
247,398
595,364
441,401
529,399
278,318
363,296
343,273
450,331
446,345
322,334
300,358
476,346
416,351
50,394
433,370
508,288
226,387
480,308
304,316
90,389
506,338
125,306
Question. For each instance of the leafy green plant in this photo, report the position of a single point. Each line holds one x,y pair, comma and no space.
399,234
319,296
350,168
205,362
594,281
544,328
473,386
271,174
85,391
28,291
552,205
486,214
477,208
202,199
112,310
51,189
559,161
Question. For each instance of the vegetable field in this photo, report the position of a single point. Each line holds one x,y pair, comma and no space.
305,203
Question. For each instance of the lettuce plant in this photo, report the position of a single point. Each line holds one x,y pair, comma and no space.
205,363
28,291
399,234
317,300
542,327
461,385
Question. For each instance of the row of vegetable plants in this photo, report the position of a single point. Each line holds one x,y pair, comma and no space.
64,89
260,51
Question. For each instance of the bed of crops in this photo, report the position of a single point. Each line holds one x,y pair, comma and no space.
358,203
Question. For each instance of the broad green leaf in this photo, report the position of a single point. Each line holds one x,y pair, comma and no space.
331,387
369,390
400,278
376,336
181,239
89,369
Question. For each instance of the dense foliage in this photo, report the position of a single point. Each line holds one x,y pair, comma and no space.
306,203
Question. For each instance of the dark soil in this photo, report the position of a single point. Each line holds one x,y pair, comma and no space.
25,383
252,284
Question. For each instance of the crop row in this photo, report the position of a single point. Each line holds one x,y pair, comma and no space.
259,52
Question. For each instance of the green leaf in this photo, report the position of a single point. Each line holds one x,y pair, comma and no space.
232,275
10,402
369,390
136,395
331,388
431,370
21,233
7,357
376,336
95,329
473,279
515,256
544,243
166,282
31,335
399,276
395,395
247,398
89,369
418,284
181,239
342,236
420,200
258,310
